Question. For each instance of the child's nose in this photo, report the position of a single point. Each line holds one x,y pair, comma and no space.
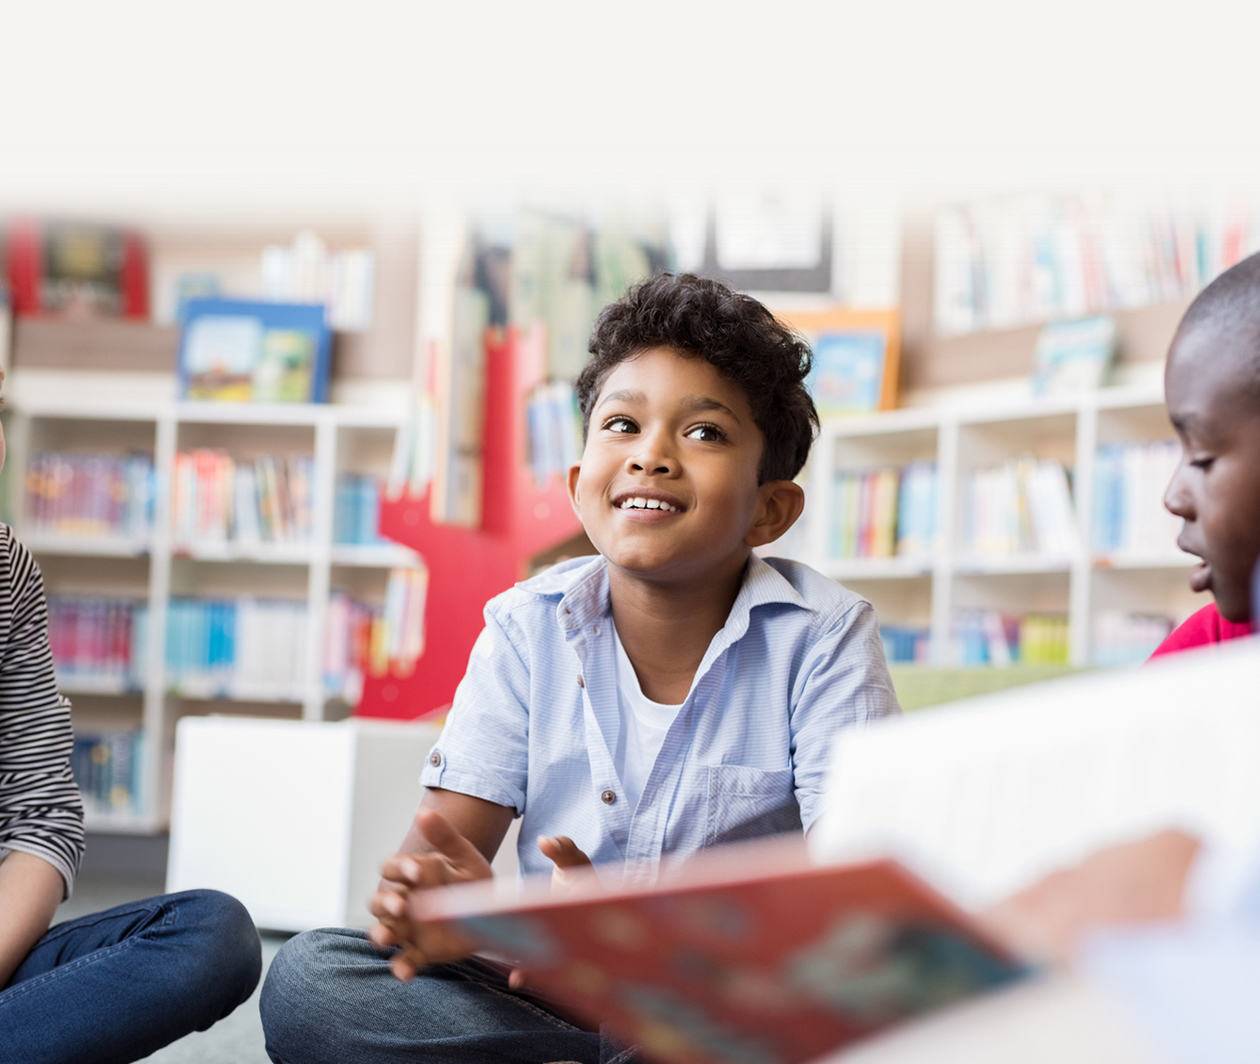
653,455
1177,499
652,464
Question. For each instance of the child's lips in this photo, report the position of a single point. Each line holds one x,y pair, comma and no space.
1201,577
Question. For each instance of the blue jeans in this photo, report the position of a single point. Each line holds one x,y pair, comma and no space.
330,998
120,984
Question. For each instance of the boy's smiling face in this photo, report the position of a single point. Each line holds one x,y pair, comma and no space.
1216,487
667,488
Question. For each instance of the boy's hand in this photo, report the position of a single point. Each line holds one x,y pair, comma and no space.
1130,883
451,859
563,853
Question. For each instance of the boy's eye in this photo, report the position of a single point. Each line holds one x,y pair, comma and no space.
1202,463
706,432
619,424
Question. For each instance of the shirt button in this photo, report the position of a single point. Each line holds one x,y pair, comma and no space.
608,797
435,759
581,681
597,629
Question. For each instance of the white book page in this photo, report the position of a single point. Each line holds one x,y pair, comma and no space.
986,795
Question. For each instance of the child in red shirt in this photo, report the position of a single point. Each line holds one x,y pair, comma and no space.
1212,390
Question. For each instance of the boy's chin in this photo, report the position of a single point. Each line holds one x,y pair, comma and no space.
1236,609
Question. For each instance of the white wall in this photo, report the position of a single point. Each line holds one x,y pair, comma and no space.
284,106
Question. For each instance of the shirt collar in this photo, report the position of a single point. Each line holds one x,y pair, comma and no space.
580,587
763,585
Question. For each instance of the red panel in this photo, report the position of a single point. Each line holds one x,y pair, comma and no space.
24,266
467,567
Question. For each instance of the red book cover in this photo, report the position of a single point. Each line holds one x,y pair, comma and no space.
746,954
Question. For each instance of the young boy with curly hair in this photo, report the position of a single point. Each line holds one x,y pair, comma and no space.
675,692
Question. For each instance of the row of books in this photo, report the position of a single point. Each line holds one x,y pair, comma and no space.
1027,258
89,494
1129,483
357,510
107,768
308,271
906,644
883,512
372,639
243,648
98,640
1020,506
218,498
555,430
1126,638
991,637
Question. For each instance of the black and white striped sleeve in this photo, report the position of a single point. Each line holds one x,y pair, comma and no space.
41,812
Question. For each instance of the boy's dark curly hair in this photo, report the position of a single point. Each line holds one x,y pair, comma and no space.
736,335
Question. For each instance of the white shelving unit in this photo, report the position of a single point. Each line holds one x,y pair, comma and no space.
927,592
53,412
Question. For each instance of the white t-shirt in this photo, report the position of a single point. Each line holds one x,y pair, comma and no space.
643,727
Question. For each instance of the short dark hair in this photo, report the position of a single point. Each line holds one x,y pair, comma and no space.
734,333
1230,305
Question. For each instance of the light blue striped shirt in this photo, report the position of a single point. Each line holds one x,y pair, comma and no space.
534,723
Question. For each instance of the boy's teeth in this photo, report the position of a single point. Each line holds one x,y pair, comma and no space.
640,503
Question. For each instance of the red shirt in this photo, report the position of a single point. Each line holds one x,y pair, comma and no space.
1200,629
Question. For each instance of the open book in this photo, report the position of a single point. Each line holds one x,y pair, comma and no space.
749,953
756,953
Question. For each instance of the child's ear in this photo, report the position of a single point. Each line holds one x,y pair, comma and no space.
781,504
574,470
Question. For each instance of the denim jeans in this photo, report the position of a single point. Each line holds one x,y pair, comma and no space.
120,984
330,998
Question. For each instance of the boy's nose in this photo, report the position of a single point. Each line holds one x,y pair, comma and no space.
653,455
652,464
1177,500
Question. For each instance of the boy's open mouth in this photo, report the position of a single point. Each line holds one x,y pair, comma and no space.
1201,574
647,502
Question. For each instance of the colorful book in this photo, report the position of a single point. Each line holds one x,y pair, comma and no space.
243,350
747,954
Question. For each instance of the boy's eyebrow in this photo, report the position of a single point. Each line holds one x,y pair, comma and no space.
693,403
1184,423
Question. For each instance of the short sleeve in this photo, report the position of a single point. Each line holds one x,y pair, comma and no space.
843,684
483,750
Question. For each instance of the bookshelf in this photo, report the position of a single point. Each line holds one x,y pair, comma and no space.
279,589
1078,581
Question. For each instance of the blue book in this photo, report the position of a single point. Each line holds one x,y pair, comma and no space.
247,350
848,372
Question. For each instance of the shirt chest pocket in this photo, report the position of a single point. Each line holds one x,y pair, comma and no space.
747,803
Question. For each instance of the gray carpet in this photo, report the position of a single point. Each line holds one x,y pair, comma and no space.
235,1040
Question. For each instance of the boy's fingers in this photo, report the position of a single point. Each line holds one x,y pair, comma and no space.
562,851
449,843
388,905
404,869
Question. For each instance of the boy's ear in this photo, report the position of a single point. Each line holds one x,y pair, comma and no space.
781,504
574,470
